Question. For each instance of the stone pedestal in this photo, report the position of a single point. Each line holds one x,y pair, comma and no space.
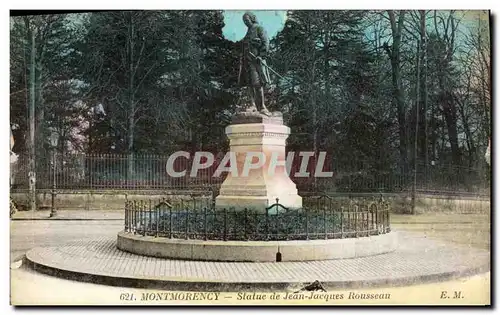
258,190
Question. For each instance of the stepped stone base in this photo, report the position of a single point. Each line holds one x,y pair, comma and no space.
262,186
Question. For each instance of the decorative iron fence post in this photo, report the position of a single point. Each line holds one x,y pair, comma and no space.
91,172
205,223
245,224
225,224
286,219
373,209
356,219
157,218
367,222
267,224
341,222
134,217
363,212
150,217
349,223
139,217
187,220
126,215
324,223
129,216
143,217
170,222
307,224
194,218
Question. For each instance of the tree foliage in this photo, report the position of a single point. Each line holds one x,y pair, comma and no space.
349,85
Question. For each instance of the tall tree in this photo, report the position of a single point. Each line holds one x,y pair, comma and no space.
125,55
40,43
444,49
393,51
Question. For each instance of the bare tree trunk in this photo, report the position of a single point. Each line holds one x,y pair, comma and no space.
450,115
131,113
485,88
470,140
315,112
40,119
415,152
424,93
433,132
394,55
32,156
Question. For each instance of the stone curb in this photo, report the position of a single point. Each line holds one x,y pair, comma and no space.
210,286
257,251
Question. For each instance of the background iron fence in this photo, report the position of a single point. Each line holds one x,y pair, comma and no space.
148,172
320,218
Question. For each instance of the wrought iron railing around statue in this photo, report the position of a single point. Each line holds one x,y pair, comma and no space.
321,218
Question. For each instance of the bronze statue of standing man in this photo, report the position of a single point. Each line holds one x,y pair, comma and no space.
254,73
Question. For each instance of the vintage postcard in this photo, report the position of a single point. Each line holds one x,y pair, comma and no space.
219,157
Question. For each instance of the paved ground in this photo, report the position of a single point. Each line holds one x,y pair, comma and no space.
469,231
69,215
416,259
34,288
25,235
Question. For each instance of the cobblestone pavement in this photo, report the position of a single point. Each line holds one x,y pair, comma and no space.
416,259
70,215
25,235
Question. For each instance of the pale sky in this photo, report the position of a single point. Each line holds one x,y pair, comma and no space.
234,28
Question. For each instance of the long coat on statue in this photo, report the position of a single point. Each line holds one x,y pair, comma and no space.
253,71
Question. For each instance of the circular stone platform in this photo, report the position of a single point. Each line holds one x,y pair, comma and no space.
253,251
417,259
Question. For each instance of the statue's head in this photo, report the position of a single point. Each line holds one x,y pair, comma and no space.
249,19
